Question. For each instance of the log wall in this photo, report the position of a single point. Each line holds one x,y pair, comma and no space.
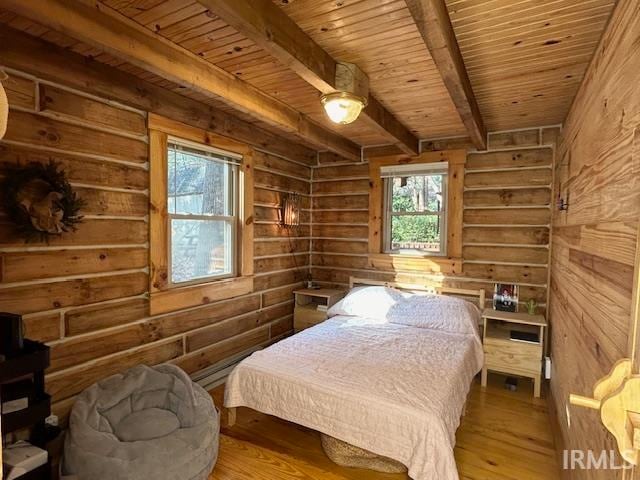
86,292
507,201
594,241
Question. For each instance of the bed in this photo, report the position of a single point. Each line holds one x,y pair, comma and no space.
395,389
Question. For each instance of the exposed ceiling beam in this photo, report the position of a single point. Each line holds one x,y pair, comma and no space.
263,22
432,19
47,61
102,27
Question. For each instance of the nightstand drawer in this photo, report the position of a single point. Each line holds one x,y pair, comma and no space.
299,325
506,356
307,317
530,348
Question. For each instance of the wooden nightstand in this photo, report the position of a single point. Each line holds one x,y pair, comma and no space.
312,305
505,355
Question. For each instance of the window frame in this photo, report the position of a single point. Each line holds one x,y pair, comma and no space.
389,214
235,208
166,296
448,263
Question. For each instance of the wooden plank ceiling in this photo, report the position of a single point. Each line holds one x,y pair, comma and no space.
105,28
36,30
381,37
412,90
525,58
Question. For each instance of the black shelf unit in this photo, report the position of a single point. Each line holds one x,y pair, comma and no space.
29,365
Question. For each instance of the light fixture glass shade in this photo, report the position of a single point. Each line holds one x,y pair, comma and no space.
342,107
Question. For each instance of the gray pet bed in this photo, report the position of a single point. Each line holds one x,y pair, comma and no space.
147,423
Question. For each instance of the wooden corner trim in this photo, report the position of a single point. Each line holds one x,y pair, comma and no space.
158,223
246,215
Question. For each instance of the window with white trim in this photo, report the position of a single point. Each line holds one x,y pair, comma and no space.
415,208
202,210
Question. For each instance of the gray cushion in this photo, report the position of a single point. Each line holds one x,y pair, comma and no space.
146,425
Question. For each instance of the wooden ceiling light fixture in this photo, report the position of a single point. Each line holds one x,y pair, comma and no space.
266,24
106,29
352,90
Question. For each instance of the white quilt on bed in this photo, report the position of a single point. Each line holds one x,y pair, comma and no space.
395,390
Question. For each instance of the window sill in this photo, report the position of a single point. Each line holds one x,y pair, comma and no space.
414,254
415,263
201,294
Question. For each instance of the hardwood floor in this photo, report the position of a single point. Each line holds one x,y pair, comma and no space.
504,436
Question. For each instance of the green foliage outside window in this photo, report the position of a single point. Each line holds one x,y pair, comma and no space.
416,194
415,229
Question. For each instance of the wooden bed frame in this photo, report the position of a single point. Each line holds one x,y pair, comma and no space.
478,296
468,294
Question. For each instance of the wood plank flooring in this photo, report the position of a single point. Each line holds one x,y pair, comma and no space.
504,436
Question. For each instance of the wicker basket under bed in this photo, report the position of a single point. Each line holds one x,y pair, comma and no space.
347,455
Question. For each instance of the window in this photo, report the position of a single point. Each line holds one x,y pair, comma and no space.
202,207
415,211
201,216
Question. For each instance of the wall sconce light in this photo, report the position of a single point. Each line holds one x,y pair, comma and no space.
290,210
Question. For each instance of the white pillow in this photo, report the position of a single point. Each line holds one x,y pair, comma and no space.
438,312
369,302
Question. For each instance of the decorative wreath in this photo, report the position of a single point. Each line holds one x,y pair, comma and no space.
40,201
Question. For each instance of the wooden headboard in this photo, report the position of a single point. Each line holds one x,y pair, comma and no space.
476,296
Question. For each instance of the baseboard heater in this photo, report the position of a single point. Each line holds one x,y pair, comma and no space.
215,375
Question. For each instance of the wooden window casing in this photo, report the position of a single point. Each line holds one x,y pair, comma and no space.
450,263
165,296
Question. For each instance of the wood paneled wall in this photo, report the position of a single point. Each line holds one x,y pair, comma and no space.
594,241
85,293
507,203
